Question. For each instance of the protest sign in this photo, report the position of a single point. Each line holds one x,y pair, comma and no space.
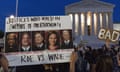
26,35
109,35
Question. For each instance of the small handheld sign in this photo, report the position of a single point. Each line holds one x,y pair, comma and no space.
109,35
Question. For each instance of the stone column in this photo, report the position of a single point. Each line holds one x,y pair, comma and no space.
95,23
92,24
110,20
107,24
101,19
79,24
104,20
76,24
82,24
85,24
73,25
98,22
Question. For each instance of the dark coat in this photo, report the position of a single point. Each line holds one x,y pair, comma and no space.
67,46
35,48
11,49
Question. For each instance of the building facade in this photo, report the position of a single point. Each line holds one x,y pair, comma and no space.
88,16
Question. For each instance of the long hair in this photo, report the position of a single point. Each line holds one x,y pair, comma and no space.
57,36
104,64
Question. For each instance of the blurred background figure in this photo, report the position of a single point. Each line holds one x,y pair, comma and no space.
4,63
104,64
3,59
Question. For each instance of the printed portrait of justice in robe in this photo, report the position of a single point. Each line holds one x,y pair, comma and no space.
11,43
66,39
38,40
53,40
25,42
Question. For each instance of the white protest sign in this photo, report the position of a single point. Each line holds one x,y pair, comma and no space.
37,40
111,35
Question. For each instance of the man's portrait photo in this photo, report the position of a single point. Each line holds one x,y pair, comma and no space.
66,36
25,41
38,40
11,42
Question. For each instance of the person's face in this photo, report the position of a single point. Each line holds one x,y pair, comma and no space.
66,35
25,40
11,39
38,38
52,39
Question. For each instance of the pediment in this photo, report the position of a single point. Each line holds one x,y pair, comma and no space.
90,4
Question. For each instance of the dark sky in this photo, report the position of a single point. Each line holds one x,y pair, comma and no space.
43,8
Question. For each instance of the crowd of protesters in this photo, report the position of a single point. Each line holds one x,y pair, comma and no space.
104,59
83,59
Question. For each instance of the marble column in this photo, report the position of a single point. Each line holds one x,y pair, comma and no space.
98,22
82,24
85,24
101,20
110,20
73,25
79,24
95,22
104,20
92,24
107,25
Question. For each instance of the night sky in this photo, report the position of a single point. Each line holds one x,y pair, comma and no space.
44,8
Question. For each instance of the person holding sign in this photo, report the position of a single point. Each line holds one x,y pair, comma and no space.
11,42
38,41
53,41
4,63
25,42
67,40
3,60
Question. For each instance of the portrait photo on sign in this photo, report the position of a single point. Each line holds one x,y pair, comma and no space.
66,39
38,40
25,41
11,43
53,40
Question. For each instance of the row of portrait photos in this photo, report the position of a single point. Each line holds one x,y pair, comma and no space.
38,40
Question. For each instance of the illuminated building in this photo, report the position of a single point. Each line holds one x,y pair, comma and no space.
88,16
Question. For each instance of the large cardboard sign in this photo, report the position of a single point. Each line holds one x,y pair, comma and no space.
26,35
110,35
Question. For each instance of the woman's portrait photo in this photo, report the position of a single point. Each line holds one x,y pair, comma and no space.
53,40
